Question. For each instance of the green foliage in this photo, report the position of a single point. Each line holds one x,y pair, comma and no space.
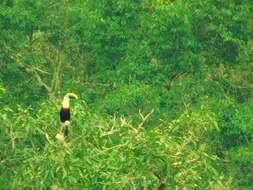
129,99
166,93
235,122
241,164
221,28
111,153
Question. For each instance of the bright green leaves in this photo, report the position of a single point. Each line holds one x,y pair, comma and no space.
112,153
130,99
152,64
220,29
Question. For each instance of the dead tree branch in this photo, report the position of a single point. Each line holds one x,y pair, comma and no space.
144,118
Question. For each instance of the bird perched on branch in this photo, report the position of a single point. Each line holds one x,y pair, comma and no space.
65,115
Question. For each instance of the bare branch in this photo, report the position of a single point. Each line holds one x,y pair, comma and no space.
40,70
124,123
109,133
41,82
144,118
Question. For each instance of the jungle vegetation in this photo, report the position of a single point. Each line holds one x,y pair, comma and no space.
165,94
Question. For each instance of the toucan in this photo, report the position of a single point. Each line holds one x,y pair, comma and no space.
65,115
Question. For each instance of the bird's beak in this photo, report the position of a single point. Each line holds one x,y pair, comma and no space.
72,95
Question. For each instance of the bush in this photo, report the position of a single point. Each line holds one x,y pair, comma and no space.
129,99
112,153
235,123
240,166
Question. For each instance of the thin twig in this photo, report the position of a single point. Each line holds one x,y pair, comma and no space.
12,138
111,148
109,133
144,118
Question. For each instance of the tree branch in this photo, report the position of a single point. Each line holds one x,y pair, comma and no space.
144,118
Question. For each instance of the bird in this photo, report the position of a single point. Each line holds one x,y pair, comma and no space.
65,115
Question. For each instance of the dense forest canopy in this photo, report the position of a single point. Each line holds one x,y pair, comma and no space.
165,94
